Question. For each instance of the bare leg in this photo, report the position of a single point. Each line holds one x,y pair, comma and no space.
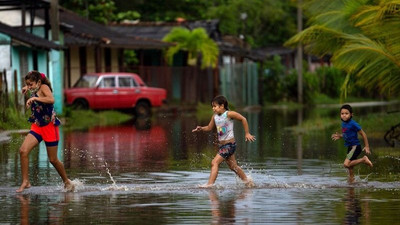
351,175
29,143
231,161
52,155
347,163
214,170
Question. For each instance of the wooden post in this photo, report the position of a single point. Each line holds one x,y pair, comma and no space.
1,90
6,88
54,20
16,91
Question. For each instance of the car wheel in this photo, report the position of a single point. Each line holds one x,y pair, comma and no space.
80,104
142,109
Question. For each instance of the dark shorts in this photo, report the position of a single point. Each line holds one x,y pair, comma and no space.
48,133
353,152
226,150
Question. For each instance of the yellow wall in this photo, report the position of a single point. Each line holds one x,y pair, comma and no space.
90,59
75,71
114,60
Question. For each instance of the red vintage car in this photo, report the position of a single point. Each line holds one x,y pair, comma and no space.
114,91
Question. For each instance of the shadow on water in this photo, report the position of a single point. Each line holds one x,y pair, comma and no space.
148,171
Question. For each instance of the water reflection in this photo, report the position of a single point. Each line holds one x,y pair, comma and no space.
299,144
161,163
24,208
35,209
355,214
122,147
223,208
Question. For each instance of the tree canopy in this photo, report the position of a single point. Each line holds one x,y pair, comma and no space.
259,22
196,43
360,36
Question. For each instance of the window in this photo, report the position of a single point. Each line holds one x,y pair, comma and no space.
108,82
125,82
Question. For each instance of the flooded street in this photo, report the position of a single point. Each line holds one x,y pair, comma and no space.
148,172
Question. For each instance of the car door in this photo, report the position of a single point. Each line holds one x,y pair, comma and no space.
128,91
106,93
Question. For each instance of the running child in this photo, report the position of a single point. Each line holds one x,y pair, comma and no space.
44,126
350,131
223,121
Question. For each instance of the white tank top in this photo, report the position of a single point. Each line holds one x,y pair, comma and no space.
224,126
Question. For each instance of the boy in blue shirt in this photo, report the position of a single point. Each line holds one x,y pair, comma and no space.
350,131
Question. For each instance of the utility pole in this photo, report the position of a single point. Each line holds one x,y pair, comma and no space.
54,20
299,54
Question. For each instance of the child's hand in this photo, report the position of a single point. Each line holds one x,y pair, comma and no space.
249,137
198,128
24,89
336,136
366,149
29,102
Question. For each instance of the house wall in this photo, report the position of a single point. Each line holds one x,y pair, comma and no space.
74,60
90,60
114,60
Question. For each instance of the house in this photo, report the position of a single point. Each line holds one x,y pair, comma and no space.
83,46
25,48
93,47
236,71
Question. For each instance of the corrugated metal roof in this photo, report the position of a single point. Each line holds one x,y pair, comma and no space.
27,38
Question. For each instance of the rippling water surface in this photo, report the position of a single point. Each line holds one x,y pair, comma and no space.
149,172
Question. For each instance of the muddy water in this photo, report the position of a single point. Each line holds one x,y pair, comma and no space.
148,172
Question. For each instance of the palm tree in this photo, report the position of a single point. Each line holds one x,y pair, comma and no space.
196,43
361,36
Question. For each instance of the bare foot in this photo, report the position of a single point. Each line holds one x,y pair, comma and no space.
249,183
69,186
24,185
367,161
206,186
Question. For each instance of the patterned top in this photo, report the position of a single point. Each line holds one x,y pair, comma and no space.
42,113
224,126
350,130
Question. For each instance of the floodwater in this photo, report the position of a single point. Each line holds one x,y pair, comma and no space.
148,172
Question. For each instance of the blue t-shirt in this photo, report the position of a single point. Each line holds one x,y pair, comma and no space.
350,132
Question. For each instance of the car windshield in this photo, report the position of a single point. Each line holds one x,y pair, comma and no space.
87,81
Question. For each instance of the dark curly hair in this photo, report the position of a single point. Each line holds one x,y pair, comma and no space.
36,76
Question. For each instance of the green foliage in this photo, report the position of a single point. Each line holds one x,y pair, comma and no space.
322,86
130,57
204,112
83,119
11,119
101,11
168,10
280,85
267,22
128,15
196,43
359,36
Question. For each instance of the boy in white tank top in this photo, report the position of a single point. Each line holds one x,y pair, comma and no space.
223,121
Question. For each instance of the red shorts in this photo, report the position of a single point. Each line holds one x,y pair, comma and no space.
48,133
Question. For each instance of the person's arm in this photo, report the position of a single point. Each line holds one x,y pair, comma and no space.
237,116
209,127
24,89
45,96
336,136
366,144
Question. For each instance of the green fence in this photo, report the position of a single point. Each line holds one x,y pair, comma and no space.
239,83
